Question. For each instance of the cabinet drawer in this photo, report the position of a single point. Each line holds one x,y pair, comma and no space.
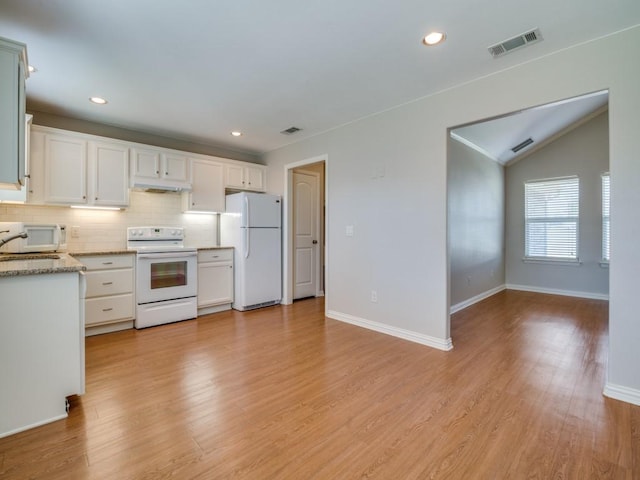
104,262
108,309
109,282
220,255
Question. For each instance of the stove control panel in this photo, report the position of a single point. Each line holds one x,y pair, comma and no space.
155,233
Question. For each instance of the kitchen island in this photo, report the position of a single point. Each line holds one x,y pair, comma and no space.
41,338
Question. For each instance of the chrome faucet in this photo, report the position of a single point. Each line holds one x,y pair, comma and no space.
13,237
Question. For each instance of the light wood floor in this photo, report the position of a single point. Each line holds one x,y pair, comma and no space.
283,393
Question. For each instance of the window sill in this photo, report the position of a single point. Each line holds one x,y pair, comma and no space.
548,261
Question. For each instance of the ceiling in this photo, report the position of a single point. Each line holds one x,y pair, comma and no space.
196,70
497,138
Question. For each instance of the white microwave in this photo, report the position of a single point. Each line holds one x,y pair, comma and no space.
21,237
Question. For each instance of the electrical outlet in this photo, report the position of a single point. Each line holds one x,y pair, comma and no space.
75,231
374,296
348,231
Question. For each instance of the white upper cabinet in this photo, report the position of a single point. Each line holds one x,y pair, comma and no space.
145,164
71,168
13,72
175,167
151,168
65,170
207,187
245,177
110,173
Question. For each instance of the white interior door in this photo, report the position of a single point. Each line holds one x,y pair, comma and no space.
306,232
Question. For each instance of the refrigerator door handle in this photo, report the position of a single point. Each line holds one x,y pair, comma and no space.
247,246
247,216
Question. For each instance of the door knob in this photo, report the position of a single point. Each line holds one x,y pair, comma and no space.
315,242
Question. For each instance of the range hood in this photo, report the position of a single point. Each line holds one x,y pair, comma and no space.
160,187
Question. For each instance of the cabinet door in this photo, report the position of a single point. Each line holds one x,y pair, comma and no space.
65,170
111,180
35,182
234,176
145,163
255,178
12,113
175,167
207,184
215,283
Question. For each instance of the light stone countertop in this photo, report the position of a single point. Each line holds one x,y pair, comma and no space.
12,265
123,251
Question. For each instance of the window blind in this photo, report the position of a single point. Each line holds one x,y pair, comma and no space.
551,218
606,189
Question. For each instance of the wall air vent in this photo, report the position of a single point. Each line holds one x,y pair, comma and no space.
522,145
519,41
290,131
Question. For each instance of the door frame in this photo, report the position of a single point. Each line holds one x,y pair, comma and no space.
287,228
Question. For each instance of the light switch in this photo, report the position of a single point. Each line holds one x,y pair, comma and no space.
349,231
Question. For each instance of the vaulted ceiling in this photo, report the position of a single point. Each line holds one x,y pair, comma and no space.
196,70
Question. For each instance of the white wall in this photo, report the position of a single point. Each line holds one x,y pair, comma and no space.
400,241
583,152
476,224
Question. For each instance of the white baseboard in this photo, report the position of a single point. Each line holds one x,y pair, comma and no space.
467,303
109,328
33,425
625,394
553,291
214,309
420,338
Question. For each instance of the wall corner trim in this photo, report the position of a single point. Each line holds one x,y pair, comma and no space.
434,342
478,298
624,394
554,291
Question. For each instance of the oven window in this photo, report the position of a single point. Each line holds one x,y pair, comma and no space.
168,274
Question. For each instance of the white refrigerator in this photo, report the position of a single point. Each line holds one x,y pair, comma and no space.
251,225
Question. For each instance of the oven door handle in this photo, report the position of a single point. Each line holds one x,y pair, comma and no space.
167,255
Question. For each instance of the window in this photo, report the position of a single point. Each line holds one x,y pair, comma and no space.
551,219
605,217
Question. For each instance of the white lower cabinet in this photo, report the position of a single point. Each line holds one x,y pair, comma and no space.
110,299
215,280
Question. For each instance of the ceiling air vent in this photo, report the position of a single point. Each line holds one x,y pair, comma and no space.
522,145
506,46
290,131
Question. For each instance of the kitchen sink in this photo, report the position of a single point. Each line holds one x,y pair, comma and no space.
23,257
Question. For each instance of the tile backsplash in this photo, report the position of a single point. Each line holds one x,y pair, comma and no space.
100,230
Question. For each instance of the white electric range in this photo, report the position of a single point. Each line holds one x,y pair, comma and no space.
166,275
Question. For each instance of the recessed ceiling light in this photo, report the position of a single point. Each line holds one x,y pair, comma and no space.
434,38
236,134
32,69
98,100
